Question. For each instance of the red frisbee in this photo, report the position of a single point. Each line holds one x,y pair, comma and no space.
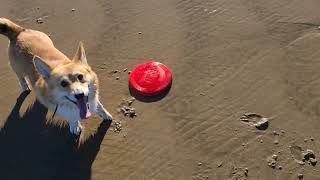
150,78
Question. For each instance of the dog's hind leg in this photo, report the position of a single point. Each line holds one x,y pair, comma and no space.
22,81
19,71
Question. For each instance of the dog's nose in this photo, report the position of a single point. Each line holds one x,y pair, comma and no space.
79,96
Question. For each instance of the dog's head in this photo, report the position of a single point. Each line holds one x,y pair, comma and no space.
73,83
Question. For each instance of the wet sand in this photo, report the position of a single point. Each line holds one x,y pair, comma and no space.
227,57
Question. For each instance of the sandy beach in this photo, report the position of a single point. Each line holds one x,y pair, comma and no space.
233,62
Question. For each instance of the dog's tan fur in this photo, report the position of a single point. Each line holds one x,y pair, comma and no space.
32,55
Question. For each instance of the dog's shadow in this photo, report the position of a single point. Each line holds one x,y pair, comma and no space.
31,149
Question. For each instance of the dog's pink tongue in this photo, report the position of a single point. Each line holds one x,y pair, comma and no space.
84,108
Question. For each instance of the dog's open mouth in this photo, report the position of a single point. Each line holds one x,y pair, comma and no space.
83,106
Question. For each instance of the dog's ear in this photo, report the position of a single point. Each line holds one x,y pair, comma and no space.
80,55
42,67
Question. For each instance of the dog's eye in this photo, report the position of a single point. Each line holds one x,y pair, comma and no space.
80,77
64,83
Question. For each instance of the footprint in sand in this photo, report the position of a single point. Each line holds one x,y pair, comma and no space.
256,120
303,156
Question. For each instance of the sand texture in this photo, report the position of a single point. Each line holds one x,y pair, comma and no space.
237,65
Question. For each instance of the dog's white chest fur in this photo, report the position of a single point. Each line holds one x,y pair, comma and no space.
69,112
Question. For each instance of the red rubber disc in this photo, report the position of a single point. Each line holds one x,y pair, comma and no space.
150,78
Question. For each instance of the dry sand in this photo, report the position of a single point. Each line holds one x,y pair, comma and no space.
228,58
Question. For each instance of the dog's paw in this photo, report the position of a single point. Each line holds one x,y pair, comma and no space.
27,91
75,128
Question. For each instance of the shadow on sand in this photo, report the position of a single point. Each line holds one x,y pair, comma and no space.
31,149
149,99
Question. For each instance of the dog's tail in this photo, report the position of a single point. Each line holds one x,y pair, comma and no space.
9,29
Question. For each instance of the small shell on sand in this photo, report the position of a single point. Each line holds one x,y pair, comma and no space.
300,176
307,154
272,160
262,124
40,20
219,164
313,161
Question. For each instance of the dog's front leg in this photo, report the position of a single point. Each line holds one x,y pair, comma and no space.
75,127
24,85
104,114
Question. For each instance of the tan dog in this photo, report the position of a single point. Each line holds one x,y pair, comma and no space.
69,87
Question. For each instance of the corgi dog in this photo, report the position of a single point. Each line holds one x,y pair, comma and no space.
68,87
